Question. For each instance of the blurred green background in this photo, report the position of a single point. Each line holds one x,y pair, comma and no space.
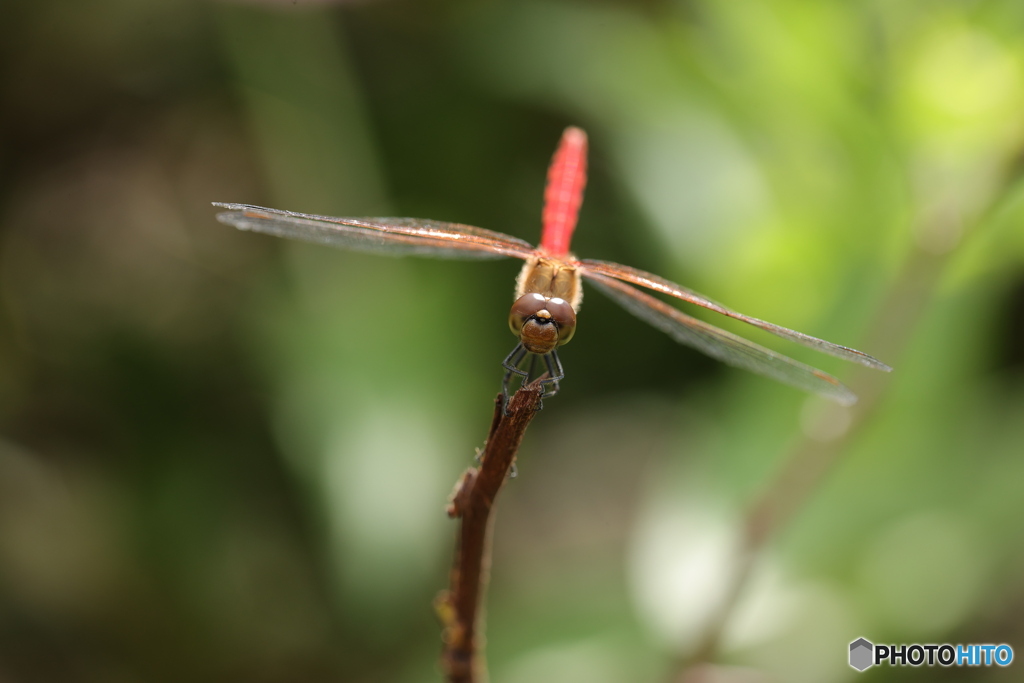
225,457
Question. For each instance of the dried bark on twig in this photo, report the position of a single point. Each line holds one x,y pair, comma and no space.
472,501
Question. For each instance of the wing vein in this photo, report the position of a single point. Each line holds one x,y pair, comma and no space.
392,236
720,344
659,284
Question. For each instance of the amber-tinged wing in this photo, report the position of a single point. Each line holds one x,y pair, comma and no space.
659,284
719,344
392,236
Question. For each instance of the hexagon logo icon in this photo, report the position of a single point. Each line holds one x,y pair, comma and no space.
861,654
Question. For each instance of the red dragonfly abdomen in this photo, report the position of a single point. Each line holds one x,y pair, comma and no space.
567,177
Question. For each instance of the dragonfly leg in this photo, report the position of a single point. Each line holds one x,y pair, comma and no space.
552,363
555,374
511,365
529,374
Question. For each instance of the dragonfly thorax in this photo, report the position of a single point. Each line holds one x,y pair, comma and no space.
551,277
542,323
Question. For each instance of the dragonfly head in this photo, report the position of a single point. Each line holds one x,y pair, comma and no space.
542,323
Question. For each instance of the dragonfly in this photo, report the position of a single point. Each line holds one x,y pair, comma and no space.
549,288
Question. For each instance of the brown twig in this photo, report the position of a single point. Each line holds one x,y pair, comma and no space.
472,501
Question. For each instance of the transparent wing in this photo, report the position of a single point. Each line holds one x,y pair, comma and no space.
659,284
719,344
393,236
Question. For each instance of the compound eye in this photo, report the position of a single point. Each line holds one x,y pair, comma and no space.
564,318
525,307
